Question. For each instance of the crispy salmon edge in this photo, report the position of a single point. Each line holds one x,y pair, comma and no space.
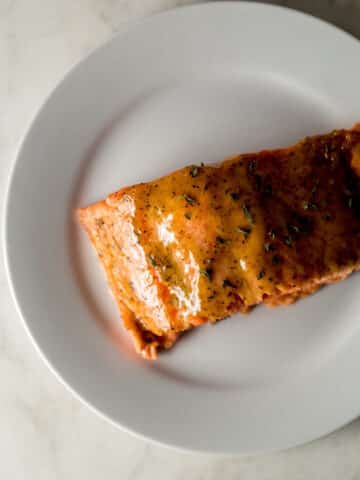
147,348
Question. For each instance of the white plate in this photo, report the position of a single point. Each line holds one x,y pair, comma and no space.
191,85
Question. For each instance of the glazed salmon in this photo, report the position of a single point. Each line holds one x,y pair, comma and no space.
207,241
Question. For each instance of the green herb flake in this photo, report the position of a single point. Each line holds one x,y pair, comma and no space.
194,171
234,195
309,206
252,166
272,234
227,283
190,200
261,274
187,215
153,261
293,228
248,214
245,231
202,164
350,202
207,272
269,247
220,240
288,241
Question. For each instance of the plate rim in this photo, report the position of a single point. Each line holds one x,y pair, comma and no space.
130,26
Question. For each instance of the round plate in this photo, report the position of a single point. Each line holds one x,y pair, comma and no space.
192,85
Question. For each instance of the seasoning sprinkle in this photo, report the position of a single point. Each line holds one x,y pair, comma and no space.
188,215
207,273
269,247
234,195
309,206
261,274
288,241
252,166
153,261
220,240
194,171
245,231
190,200
248,214
293,228
227,283
351,202
272,234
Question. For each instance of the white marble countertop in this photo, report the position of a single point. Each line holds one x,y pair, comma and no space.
47,434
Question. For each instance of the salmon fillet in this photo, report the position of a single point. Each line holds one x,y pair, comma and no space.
205,242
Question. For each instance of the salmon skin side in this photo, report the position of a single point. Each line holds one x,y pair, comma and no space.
207,241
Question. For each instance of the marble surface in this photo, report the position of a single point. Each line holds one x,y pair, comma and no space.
45,433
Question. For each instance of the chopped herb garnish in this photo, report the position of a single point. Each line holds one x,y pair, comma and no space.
245,231
261,274
220,240
288,241
194,171
327,216
248,214
351,202
202,164
293,228
272,234
257,182
188,215
227,283
269,247
190,200
234,195
252,166
207,273
309,206
326,151
153,261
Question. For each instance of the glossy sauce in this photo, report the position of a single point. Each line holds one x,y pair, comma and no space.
207,241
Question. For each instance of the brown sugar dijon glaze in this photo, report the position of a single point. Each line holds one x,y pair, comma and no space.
207,241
